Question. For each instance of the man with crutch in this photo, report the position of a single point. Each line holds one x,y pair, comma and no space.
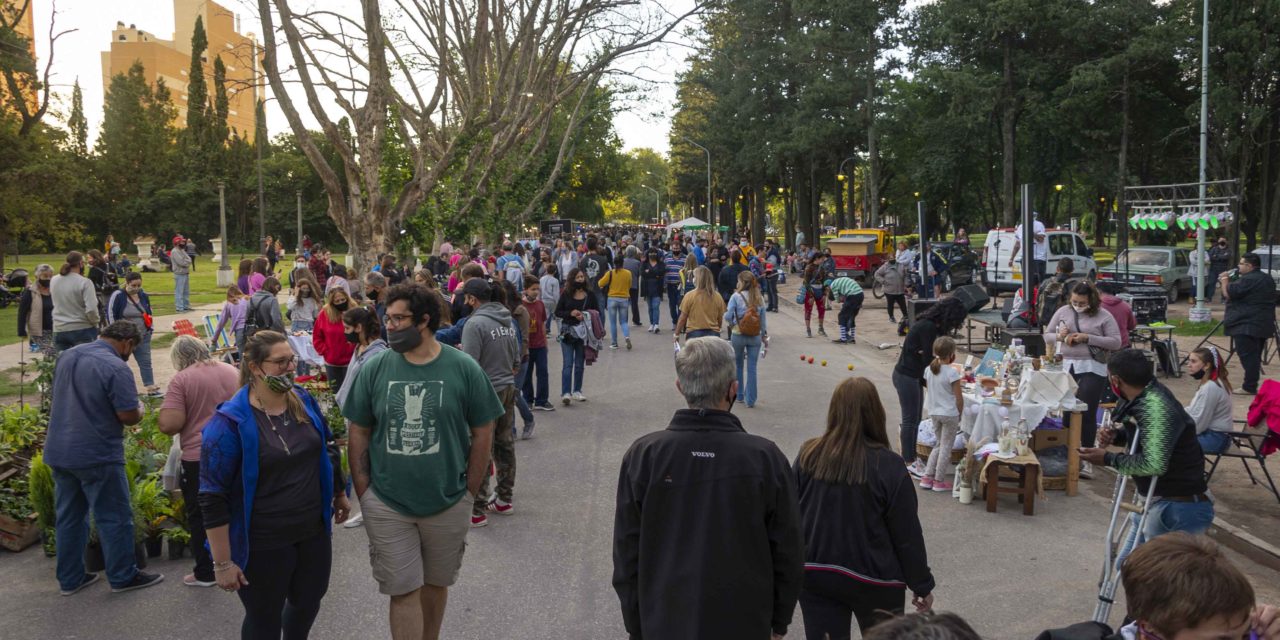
1167,449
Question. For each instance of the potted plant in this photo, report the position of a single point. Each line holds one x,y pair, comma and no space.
40,486
148,503
18,526
178,539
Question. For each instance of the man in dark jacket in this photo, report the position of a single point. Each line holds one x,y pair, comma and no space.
727,281
706,537
1251,315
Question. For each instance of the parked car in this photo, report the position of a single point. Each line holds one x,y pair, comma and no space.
963,264
1165,267
1063,243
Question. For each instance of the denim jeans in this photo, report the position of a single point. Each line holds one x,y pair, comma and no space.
771,293
673,300
655,309
181,292
702,333
63,340
1214,441
103,490
143,355
536,368
1164,516
748,348
575,366
522,406
618,309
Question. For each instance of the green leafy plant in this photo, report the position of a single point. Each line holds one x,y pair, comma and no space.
21,427
40,487
148,500
177,535
15,502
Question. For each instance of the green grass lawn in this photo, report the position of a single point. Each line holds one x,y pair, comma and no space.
159,286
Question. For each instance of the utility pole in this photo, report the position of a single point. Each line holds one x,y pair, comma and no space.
704,150
224,267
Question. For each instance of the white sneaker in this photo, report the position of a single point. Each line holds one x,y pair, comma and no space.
1086,470
916,469
354,521
577,395
566,399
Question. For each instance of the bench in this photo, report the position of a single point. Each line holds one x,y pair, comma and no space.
993,323
1245,446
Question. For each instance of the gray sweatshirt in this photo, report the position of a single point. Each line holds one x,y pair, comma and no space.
1211,408
490,339
75,303
180,261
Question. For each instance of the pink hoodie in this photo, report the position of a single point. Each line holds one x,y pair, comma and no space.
1123,314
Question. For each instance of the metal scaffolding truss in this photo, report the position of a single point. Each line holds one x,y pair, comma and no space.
1220,196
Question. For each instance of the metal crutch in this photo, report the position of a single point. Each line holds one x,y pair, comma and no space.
1116,538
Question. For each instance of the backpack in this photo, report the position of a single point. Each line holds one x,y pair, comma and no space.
251,324
749,323
1050,296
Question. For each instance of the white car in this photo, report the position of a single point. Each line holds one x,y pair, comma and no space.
1063,243
1270,256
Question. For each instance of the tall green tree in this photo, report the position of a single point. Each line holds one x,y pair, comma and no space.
77,124
197,89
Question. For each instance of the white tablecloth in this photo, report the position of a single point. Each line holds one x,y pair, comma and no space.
305,350
983,416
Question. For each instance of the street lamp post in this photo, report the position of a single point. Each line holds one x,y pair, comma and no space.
1057,199
704,150
846,178
298,194
1201,313
657,217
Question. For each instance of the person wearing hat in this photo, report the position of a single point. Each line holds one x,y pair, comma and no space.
490,338
180,263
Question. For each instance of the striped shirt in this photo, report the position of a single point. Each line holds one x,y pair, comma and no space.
674,264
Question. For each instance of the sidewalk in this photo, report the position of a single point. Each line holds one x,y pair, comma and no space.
1246,513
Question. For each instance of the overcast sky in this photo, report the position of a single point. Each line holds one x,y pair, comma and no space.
645,123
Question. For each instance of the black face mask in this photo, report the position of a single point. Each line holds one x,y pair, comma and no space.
404,340
1198,375
352,337
341,306
372,295
44,283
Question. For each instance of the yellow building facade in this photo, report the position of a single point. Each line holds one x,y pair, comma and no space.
26,27
171,59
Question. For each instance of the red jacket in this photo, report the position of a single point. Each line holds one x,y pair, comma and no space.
1266,405
1123,314
537,324
330,341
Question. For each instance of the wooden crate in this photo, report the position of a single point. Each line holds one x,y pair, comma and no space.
16,535
923,451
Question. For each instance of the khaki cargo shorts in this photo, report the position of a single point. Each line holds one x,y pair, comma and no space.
407,552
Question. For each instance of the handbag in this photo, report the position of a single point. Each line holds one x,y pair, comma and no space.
800,297
1098,354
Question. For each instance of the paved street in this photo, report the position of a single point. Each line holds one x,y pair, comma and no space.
544,572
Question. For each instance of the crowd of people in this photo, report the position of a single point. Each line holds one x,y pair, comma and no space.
836,531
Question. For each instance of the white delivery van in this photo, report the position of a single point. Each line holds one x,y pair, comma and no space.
1063,243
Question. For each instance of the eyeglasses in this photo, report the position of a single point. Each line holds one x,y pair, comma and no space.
283,363
395,320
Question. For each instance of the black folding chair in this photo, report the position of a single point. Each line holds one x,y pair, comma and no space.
1245,446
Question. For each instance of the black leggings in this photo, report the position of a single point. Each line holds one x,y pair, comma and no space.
285,588
830,600
1089,390
335,375
899,299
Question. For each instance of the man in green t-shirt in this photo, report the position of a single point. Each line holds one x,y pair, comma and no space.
422,419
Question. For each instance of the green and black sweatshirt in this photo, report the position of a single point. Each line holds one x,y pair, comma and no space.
1167,446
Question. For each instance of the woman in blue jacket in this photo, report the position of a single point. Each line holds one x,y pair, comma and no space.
267,494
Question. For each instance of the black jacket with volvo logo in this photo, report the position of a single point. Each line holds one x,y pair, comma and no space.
706,537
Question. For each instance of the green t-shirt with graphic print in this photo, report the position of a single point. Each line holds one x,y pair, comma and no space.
421,418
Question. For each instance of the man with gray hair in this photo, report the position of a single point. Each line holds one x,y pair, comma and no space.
201,384
706,536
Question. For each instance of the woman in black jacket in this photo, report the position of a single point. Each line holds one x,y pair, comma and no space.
35,311
575,301
863,543
908,376
652,272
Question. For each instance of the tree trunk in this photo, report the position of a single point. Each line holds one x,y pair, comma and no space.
1008,135
759,221
872,185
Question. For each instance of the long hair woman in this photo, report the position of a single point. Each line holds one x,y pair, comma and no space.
269,493
132,303
35,311
330,340
747,340
1211,406
1076,327
702,310
261,271
243,273
306,303
908,375
575,301
863,543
